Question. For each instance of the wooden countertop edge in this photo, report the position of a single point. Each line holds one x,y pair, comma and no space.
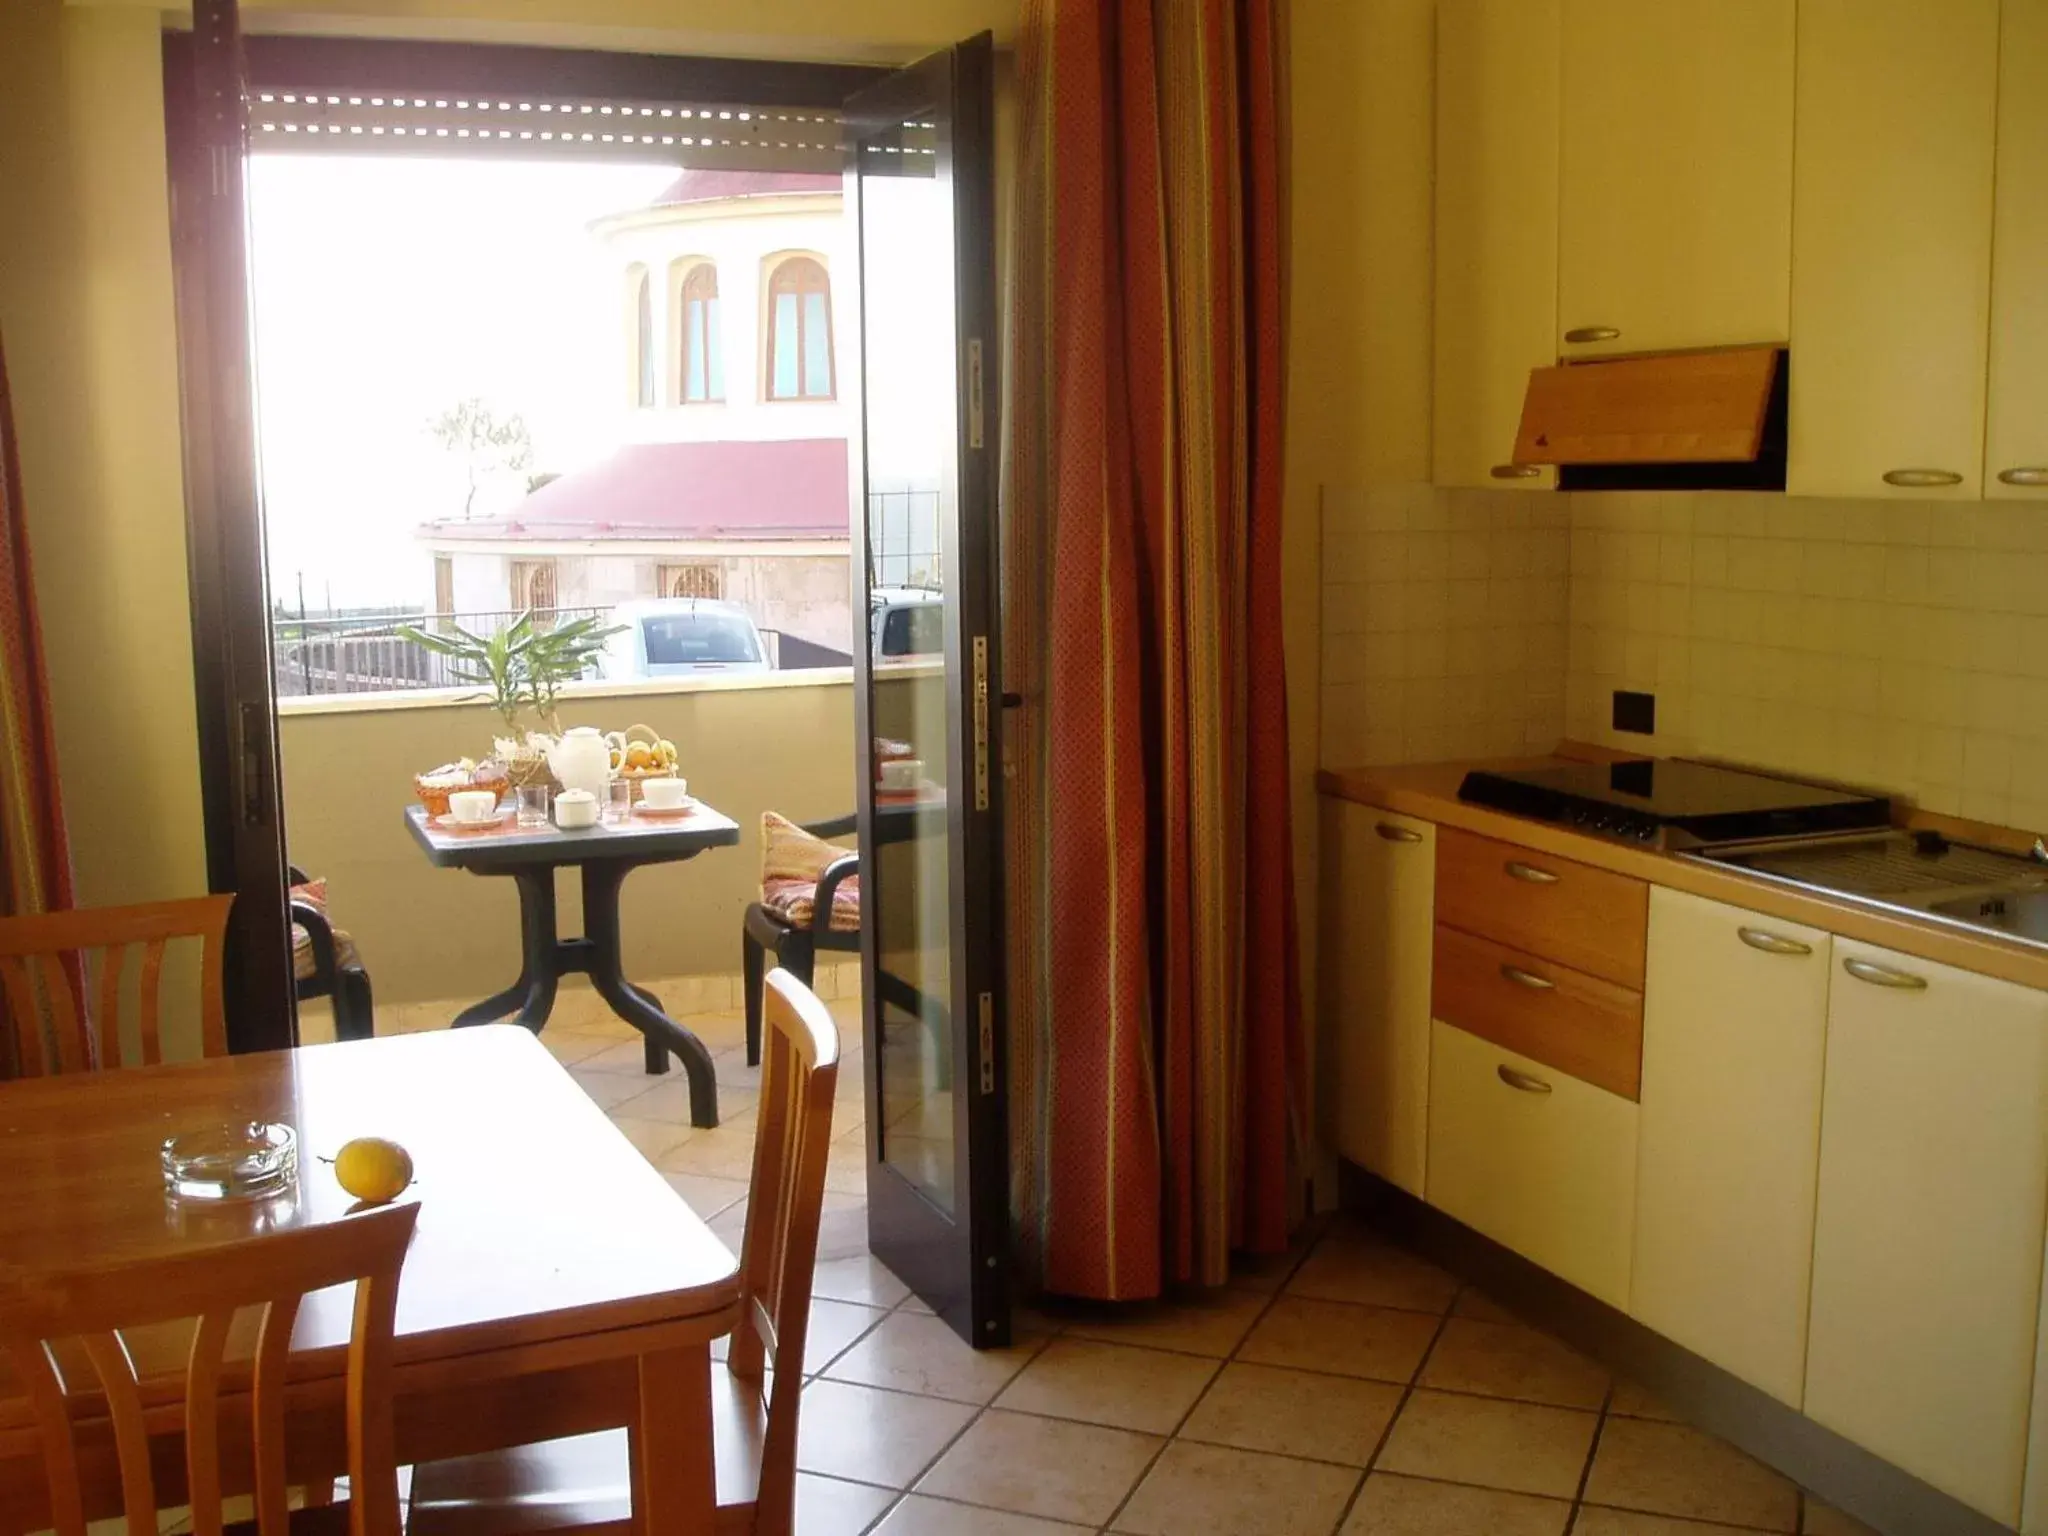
1429,792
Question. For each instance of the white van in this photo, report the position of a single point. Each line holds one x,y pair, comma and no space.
684,637
906,623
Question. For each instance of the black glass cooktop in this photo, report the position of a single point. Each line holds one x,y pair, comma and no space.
1674,803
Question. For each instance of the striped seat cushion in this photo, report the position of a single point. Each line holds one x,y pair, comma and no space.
792,862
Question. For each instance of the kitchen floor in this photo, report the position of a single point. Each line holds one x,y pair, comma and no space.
1350,1389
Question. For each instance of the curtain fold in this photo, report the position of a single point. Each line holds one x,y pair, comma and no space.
35,858
1155,1012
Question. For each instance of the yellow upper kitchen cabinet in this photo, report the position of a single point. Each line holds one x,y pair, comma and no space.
2016,433
1891,246
1496,231
1675,221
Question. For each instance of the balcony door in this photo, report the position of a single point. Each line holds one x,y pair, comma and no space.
921,183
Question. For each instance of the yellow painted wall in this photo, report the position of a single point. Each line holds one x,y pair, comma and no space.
427,933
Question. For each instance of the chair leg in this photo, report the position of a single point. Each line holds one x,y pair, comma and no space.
354,1014
753,970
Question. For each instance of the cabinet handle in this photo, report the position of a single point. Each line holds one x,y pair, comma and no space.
1884,975
1529,979
2026,474
1772,943
1394,834
1522,471
1522,1080
1585,333
1920,479
1529,873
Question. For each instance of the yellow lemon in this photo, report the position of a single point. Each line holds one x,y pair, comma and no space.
667,749
373,1169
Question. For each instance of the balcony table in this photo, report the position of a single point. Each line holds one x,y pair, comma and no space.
606,854
556,1283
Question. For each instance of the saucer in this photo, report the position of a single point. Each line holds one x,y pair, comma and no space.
448,822
644,809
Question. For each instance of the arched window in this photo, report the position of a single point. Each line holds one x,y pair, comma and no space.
644,372
799,331
702,349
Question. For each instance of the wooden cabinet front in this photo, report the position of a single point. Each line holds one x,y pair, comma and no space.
1589,919
1563,1018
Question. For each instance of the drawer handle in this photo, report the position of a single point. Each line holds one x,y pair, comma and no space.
1529,873
1394,834
1772,943
1522,1080
1530,472
1529,979
1581,334
2026,474
1884,975
1921,479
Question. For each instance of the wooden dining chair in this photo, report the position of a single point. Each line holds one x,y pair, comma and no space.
65,979
584,1483
80,1314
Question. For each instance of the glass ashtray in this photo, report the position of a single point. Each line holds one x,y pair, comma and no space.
231,1162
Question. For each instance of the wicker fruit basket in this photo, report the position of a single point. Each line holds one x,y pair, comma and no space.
434,787
640,753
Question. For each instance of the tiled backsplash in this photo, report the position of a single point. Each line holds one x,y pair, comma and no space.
1898,644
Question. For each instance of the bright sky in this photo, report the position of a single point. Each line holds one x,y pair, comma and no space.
387,289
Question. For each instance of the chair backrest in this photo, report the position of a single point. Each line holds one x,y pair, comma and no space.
799,1076
43,1316
68,968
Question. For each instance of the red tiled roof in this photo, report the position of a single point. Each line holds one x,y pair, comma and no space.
794,489
703,184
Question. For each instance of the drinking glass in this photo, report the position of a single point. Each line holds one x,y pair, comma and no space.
533,804
618,805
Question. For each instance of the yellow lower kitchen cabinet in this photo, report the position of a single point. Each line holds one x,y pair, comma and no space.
1735,1011
1929,1230
1534,1159
1379,885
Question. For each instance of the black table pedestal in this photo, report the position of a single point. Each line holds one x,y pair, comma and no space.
546,957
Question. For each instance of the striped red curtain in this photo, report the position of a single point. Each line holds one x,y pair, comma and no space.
35,860
1155,1013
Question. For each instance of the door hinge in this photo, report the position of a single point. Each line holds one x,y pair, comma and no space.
976,430
988,1043
981,722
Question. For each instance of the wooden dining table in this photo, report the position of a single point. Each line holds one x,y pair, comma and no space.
556,1284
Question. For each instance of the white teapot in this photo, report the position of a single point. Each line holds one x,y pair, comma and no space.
582,759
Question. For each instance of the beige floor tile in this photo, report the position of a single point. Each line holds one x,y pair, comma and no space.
831,1506
858,1277
1672,1469
834,1326
1347,1266
724,1152
1639,1402
705,1195
1825,1520
1379,1342
570,1049
1265,1273
873,1437
1212,1323
1046,1467
627,1056
1211,1490
609,1090
668,1098
731,1064
919,1515
1593,1520
1295,1413
1508,1360
656,1139
1114,1384
1408,1506
843,1228
1473,1302
1521,1447
912,1353
846,1168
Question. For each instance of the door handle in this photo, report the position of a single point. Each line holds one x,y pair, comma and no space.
1522,1080
1884,975
1581,334
1529,873
1922,479
1515,471
1772,943
1394,834
1529,979
2025,474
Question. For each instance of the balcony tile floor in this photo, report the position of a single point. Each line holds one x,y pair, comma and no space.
1347,1389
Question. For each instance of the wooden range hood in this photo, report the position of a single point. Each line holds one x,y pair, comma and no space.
1661,421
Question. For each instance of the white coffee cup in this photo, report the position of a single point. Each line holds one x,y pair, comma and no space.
664,794
472,807
901,773
575,808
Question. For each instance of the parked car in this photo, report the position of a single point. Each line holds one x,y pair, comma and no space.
684,637
906,623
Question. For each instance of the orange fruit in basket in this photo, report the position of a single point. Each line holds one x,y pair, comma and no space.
637,756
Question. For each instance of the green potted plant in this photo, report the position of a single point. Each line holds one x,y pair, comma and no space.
521,670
